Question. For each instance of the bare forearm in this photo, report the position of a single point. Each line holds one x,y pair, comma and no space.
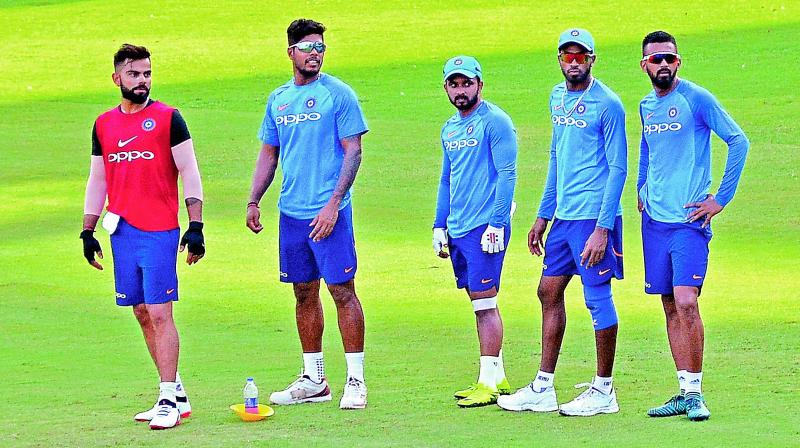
347,175
194,207
263,175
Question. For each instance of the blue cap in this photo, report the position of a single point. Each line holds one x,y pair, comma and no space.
577,36
249,378
462,65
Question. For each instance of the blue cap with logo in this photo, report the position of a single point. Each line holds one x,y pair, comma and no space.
462,65
576,36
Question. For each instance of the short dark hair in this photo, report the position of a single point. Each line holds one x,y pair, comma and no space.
129,52
658,37
301,28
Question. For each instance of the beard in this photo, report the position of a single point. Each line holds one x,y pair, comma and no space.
662,82
310,73
579,78
133,97
463,102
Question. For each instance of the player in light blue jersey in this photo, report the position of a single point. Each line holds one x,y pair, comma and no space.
674,198
313,126
587,170
473,213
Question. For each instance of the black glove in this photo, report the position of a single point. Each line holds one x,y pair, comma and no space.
193,238
90,245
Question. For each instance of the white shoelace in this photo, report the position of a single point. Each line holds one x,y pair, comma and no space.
356,387
587,393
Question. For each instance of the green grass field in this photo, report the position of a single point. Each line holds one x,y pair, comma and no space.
73,366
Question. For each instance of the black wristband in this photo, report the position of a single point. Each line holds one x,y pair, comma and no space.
195,225
253,203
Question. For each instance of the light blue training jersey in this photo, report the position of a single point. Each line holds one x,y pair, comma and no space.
479,170
588,156
675,157
308,123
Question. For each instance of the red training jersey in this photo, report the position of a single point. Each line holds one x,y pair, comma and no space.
141,176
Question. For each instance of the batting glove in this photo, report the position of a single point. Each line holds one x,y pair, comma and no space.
493,240
193,238
439,240
90,245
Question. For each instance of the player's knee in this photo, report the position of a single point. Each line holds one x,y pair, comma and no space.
686,300
547,296
159,318
483,304
342,295
686,306
600,305
140,311
306,293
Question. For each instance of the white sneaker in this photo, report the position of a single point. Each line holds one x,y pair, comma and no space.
167,416
183,406
302,390
355,395
528,399
591,402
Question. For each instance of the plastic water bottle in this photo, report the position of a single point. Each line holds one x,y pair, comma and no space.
250,397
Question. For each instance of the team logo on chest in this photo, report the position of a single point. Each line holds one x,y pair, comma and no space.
580,109
672,112
470,129
311,102
148,124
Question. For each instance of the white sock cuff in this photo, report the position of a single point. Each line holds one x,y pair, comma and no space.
314,365
167,389
354,357
486,303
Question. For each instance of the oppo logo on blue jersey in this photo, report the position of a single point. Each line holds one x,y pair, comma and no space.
297,118
130,156
455,145
662,127
569,121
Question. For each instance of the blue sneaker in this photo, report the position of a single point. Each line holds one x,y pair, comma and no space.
672,407
696,408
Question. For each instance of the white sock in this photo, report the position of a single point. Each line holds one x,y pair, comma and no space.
501,371
694,382
682,380
314,366
355,365
602,384
179,390
488,371
542,381
166,391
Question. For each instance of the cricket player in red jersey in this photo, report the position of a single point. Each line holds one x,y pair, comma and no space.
138,150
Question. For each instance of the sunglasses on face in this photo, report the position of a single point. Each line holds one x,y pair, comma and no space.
308,47
658,58
580,58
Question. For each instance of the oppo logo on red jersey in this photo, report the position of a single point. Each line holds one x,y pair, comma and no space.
130,156
662,127
568,121
297,118
460,144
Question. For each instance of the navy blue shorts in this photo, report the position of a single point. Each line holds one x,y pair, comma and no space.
675,254
303,260
144,265
565,242
475,269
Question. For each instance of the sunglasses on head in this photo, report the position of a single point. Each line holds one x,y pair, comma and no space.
308,47
580,58
658,58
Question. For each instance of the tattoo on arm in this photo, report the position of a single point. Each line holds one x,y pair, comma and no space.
266,164
350,165
194,207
